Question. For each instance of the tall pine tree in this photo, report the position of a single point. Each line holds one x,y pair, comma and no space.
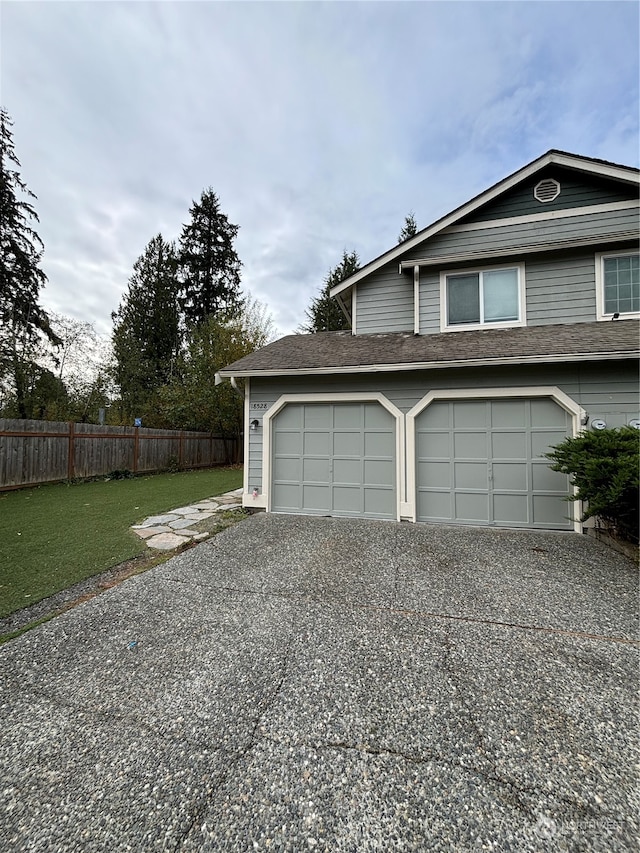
146,333
209,264
324,314
22,319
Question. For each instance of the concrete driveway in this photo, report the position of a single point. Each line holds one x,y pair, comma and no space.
321,684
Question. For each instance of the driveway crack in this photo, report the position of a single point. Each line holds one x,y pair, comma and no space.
200,808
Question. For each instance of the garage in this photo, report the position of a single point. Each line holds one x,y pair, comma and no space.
335,459
481,461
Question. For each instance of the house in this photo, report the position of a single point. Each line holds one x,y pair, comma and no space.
476,345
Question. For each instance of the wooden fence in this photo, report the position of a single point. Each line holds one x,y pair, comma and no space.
33,452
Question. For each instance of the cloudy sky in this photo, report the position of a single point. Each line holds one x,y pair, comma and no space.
320,125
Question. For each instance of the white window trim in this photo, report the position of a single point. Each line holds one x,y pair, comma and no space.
567,403
599,260
328,397
503,324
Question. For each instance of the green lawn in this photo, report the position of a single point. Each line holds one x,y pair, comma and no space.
53,536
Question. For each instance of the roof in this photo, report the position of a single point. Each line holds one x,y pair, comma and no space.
627,174
343,353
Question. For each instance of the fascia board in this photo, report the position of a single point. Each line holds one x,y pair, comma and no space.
502,186
551,358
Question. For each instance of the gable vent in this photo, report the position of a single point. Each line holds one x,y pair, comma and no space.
546,190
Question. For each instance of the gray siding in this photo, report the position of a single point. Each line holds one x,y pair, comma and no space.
607,390
560,288
604,224
384,302
576,191
560,285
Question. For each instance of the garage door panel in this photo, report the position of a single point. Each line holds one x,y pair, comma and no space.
316,443
546,480
492,458
508,414
510,475
288,443
378,472
377,418
316,497
436,416
469,414
347,443
314,470
347,416
509,445
470,445
548,509
433,444
437,474
333,463
435,505
511,509
545,413
345,497
290,469
470,475
287,496
347,471
317,417
471,507
379,502
541,442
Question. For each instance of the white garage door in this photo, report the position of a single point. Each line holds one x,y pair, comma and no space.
482,462
334,459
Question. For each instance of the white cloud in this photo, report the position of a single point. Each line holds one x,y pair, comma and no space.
319,125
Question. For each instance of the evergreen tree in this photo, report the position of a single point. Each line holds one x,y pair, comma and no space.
409,229
146,333
324,314
209,264
22,319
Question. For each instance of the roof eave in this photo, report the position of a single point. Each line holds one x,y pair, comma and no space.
552,358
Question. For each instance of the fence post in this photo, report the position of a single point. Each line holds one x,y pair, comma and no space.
71,451
181,450
136,449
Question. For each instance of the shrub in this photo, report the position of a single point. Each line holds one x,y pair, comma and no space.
604,467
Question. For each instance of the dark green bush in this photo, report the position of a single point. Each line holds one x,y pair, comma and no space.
604,467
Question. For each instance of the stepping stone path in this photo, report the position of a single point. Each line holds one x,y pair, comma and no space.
173,529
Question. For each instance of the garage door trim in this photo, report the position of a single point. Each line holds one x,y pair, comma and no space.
576,412
374,397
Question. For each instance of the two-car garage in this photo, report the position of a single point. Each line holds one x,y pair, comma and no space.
478,460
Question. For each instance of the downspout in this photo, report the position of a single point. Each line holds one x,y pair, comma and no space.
218,380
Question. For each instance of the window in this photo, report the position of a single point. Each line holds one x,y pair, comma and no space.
472,299
618,284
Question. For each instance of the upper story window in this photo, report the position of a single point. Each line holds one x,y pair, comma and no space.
617,284
473,299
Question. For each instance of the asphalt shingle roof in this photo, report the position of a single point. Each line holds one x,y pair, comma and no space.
342,352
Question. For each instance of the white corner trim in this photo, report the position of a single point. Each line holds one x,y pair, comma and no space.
552,391
503,324
247,409
416,300
599,261
328,397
